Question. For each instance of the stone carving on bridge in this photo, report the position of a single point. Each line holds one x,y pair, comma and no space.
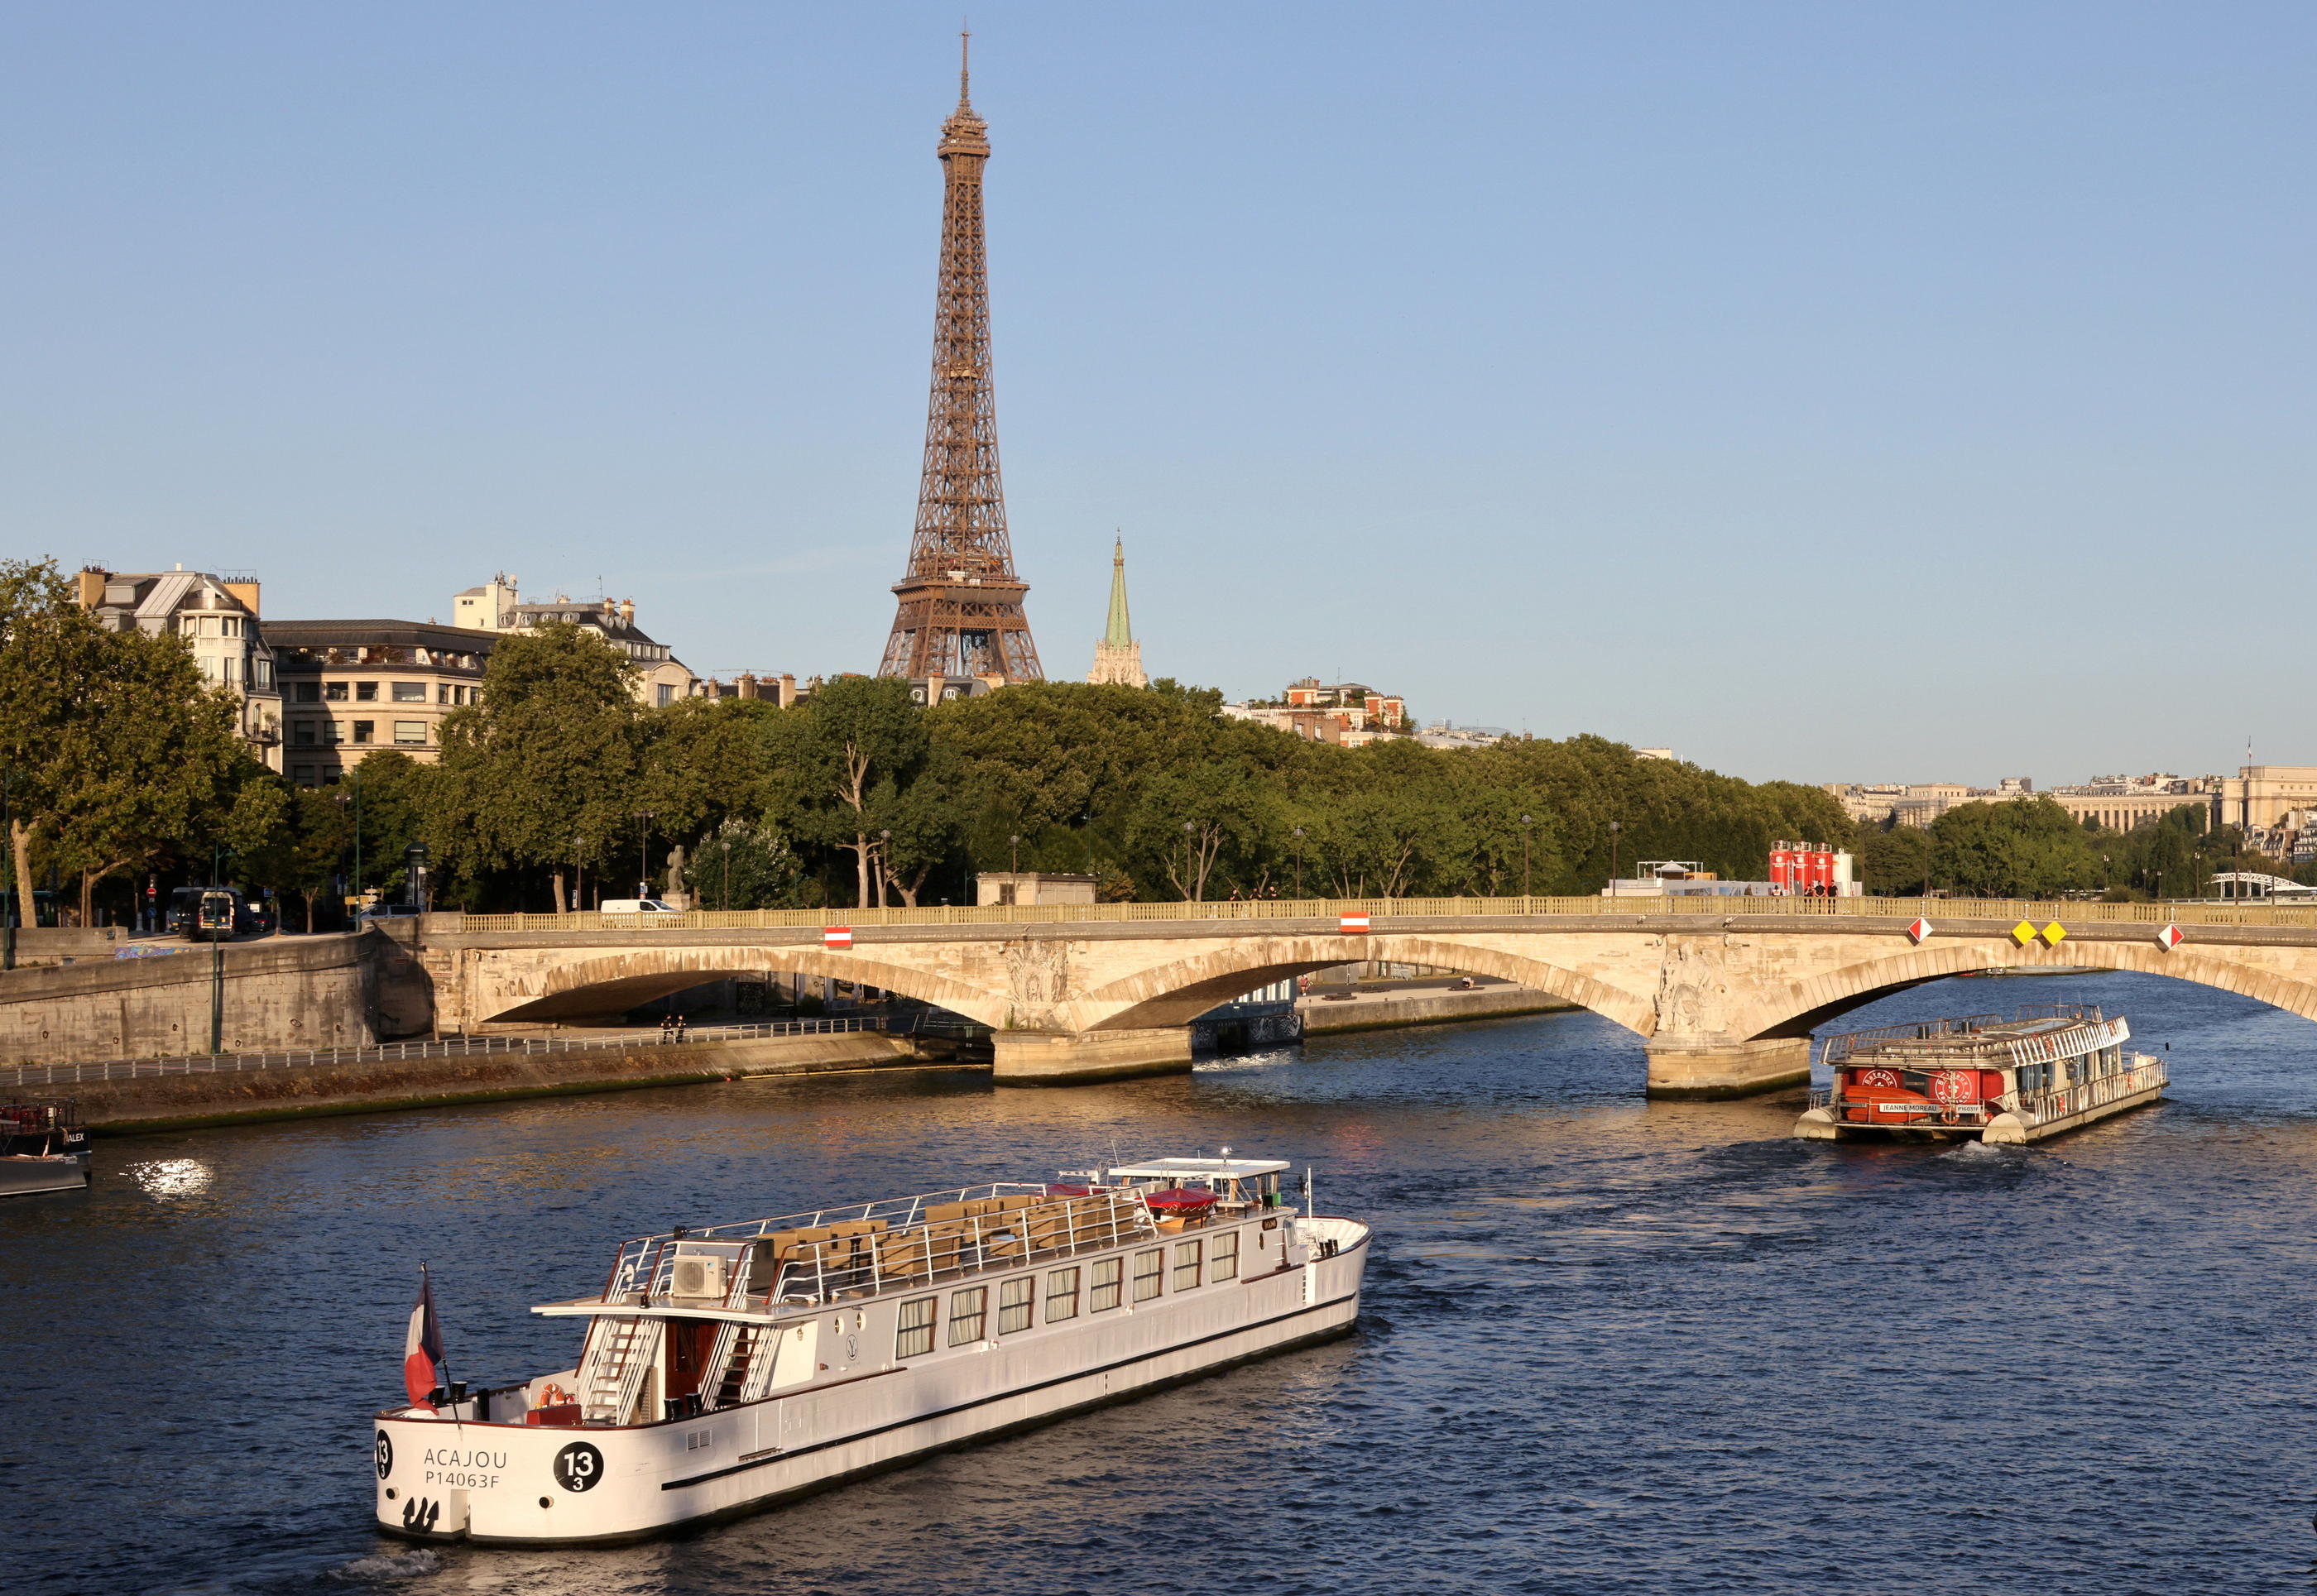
1038,981
1693,998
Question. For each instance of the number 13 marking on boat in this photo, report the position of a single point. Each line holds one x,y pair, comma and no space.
579,1466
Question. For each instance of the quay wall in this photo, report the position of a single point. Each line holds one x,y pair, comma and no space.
161,1103
1390,1010
283,992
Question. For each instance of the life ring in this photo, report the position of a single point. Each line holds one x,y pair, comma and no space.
551,1394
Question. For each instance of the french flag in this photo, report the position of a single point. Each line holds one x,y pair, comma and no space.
422,1347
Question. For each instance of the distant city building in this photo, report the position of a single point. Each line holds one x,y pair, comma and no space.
354,687
1447,734
661,678
2259,797
218,618
1344,712
1652,753
781,689
2118,803
1118,657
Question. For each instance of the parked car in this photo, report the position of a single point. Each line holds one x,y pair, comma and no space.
635,905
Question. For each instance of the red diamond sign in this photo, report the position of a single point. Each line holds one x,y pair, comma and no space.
1352,925
2170,938
1918,931
837,936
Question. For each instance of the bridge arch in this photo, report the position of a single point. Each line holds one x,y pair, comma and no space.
1180,991
1805,1004
615,983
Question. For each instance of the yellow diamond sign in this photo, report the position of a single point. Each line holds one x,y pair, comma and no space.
2052,933
2023,933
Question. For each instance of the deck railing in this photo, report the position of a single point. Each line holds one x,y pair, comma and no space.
1936,909
907,1250
199,1063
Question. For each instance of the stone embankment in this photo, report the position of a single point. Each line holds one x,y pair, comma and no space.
228,1096
1428,1005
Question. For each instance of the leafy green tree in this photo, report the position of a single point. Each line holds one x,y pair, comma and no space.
547,769
2017,848
1895,862
841,762
742,865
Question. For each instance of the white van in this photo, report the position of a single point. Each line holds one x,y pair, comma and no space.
635,905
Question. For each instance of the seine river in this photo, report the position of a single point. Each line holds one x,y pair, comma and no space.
1611,1346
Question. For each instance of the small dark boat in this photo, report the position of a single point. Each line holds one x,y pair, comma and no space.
43,1148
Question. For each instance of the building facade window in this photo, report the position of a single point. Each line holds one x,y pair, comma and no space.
1148,1269
334,731
1062,1295
1013,1303
303,775
667,695
968,1310
410,693
365,692
365,730
1224,1264
306,692
335,692
1187,1266
301,732
409,731
916,1337
1102,1293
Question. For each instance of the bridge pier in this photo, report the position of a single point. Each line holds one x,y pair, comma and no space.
1682,1068
1066,1058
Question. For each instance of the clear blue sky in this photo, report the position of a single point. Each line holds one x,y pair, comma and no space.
1827,391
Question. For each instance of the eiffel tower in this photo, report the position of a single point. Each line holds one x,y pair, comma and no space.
960,627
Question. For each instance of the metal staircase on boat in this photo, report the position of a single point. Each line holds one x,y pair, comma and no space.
620,1356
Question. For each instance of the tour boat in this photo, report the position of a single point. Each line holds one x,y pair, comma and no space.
2049,1068
726,1368
43,1148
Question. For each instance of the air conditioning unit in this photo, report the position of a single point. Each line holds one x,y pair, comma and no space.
698,1276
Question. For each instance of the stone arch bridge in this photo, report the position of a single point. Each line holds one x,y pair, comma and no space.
1722,992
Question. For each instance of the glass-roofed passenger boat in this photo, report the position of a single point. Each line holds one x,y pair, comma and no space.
2050,1069
728,1367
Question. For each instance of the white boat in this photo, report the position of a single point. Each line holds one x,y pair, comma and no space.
725,1370
43,1148
2048,1069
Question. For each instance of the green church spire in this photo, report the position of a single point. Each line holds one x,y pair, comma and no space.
1121,633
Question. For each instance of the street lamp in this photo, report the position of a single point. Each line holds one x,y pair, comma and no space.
1615,828
1189,831
643,854
1014,853
1525,825
8,887
1299,861
884,863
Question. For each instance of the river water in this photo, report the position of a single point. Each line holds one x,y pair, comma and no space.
1610,1345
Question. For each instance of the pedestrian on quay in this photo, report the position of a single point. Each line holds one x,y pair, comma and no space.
666,1027
680,1026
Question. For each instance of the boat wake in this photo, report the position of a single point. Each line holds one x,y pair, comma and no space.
391,1566
1979,1152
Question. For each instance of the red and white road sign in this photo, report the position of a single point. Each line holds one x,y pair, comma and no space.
2170,938
1918,931
837,936
1352,925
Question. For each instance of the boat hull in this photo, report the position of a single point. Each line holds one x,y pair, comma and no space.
514,1483
27,1176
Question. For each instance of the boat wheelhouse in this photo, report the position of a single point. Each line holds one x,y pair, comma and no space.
2050,1069
43,1148
728,1367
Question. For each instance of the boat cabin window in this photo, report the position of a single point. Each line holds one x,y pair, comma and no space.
1224,1265
1147,1268
1062,1295
967,1312
916,1334
1187,1266
1013,1303
1104,1292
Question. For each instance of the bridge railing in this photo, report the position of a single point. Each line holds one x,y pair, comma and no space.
1935,909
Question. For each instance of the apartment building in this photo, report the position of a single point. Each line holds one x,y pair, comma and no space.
218,618
354,687
495,606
